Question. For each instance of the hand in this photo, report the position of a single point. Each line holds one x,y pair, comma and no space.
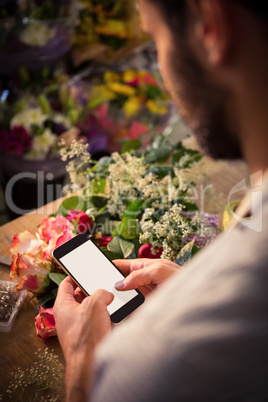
145,274
81,323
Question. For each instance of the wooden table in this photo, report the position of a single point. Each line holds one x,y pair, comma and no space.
18,347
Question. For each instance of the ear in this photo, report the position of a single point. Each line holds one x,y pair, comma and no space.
211,28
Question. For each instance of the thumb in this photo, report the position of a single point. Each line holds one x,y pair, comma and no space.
103,297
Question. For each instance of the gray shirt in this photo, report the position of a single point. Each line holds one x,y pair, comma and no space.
203,336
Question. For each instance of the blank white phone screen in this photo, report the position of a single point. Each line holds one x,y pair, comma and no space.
93,271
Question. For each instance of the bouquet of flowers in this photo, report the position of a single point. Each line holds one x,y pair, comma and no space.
45,112
127,104
34,33
134,204
101,111
106,30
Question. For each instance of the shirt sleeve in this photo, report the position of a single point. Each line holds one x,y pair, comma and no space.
201,337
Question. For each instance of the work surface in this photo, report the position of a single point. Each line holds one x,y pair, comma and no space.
19,346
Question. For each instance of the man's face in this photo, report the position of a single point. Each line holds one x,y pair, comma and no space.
202,103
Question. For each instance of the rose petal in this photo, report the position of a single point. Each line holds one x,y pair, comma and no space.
32,283
145,252
45,323
105,240
25,242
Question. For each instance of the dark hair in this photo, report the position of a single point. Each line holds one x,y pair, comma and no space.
174,8
259,7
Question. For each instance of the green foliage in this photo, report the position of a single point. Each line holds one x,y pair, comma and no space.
44,104
121,247
134,210
57,278
161,171
70,203
124,187
129,229
98,185
112,256
159,155
131,145
193,156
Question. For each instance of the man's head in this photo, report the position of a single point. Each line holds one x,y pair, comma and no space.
201,51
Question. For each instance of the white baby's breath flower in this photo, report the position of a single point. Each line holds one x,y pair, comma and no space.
29,117
37,33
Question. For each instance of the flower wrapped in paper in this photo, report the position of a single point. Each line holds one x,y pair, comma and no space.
107,30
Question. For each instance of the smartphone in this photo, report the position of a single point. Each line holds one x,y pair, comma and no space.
89,267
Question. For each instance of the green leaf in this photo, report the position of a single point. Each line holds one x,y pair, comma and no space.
74,202
74,115
55,292
194,157
153,91
134,209
131,145
96,101
44,104
121,247
189,206
108,226
109,254
102,165
99,185
45,298
159,155
98,201
161,171
195,250
129,229
135,251
57,278
185,254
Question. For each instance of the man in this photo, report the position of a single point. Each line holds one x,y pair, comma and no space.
202,334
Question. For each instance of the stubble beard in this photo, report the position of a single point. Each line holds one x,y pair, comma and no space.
203,107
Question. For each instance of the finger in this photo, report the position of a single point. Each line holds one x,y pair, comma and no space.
79,295
135,280
127,266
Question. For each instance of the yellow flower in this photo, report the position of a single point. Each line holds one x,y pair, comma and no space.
129,75
110,77
132,106
122,89
113,27
100,94
156,107
105,92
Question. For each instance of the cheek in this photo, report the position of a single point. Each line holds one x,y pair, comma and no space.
164,66
167,73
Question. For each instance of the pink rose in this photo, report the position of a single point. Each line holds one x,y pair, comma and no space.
45,323
32,255
136,130
25,242
105,240
145,252
80,220
30,271
51,228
